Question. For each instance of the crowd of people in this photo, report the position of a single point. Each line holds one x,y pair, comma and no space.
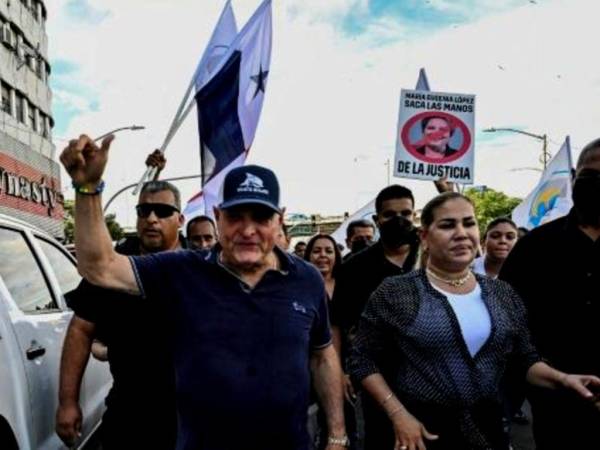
429,336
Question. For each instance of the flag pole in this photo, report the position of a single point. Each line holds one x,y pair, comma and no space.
181,113
151,171
175,124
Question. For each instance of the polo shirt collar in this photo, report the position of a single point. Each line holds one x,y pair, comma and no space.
286,261
378,252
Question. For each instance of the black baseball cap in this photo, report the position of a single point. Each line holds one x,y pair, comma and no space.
250,185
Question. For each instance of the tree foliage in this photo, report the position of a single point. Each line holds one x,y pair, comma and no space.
115,230
69,221
490,204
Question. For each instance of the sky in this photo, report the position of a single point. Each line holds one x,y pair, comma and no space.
328,127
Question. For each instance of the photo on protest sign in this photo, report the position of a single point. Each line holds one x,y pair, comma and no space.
435,136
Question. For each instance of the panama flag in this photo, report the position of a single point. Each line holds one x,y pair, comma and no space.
223,35
229,99
551,198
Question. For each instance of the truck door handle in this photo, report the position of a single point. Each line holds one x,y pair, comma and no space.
35,352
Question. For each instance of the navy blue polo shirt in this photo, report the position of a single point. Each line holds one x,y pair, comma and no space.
241,355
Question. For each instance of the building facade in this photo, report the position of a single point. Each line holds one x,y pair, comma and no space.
29,175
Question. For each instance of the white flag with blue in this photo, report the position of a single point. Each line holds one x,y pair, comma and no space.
229,103
551,198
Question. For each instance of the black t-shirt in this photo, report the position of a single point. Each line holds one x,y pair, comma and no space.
556,270
141,404
358,278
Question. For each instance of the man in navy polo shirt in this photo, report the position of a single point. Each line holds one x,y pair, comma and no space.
250,322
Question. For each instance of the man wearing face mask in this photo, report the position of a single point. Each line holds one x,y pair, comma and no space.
359,235
556,270
394,253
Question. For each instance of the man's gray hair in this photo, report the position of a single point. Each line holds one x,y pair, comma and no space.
152,187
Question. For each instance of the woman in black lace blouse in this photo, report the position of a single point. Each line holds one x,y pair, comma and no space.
445,336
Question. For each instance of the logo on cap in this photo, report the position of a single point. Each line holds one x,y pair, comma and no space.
253,184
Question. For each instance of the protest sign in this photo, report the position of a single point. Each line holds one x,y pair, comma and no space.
435,136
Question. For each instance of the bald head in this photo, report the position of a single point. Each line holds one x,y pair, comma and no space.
586,189
589,154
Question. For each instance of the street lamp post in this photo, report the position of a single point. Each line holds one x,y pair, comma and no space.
387,163
541,137
116,130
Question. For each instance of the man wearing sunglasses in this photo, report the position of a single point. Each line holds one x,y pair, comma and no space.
555,269
250,323
141,410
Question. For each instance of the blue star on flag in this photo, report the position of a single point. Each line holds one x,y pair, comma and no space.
260,80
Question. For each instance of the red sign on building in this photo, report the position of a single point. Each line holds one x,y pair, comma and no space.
26,189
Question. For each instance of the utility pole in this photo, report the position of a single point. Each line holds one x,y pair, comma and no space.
545,157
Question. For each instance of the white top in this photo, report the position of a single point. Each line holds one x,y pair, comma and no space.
473,317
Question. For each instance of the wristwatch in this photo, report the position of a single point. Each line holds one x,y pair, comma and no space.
341,441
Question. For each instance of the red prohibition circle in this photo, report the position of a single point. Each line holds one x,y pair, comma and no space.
452,120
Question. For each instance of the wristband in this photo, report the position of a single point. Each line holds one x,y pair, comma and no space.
87,191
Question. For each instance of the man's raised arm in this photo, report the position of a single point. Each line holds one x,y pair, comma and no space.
97,261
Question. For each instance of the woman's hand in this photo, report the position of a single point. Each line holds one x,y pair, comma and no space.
410,433
99,351
587,386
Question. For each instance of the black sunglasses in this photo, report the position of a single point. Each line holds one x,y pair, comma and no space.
162,210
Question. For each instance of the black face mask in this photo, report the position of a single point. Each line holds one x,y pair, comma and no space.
359,244
586,197
397,231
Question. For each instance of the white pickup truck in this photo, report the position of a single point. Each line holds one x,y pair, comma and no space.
35,272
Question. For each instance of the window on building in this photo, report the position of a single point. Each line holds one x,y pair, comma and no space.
6,103
36,9
44,125
43,13
39,68
20,107
31,115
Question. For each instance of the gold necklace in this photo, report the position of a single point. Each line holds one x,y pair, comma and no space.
456,282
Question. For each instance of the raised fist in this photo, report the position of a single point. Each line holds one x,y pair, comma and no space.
85,161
